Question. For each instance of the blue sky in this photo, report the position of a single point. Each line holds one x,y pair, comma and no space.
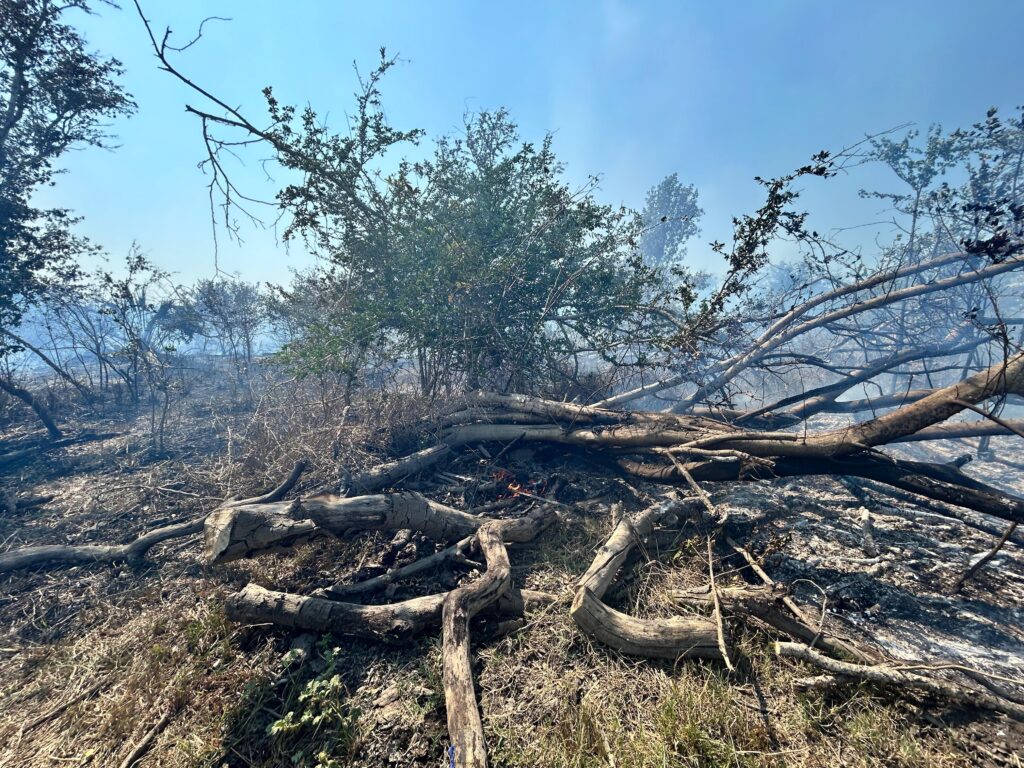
716,92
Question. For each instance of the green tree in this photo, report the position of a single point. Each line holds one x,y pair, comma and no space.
511,278
55,95
479,264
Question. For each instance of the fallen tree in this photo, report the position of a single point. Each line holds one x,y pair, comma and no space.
922,314
669,448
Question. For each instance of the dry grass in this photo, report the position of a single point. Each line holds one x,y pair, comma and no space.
552,698
155,639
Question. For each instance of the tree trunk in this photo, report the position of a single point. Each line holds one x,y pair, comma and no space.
41,411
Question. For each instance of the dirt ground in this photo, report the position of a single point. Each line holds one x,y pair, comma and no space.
97,658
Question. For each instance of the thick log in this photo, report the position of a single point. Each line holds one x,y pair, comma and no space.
394,623
672,638
629,532
465,729
245,529
900,679
652,638
468,748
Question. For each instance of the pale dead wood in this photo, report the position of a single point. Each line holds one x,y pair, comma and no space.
393,623
900,679
719,622
655,638
465,729
241,530
87,554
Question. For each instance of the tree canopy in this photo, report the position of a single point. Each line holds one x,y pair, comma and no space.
55,94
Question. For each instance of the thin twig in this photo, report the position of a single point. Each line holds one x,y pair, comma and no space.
969,573
718,608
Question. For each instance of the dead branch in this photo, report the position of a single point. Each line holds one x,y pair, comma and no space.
378,583
135,551
465,729
969,573
393,472
392,623
142,746
803,625
87,554
896,678
241,530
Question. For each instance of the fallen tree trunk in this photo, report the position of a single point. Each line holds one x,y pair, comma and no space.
242,530
468,747
88,554
465,729
393,623
33,402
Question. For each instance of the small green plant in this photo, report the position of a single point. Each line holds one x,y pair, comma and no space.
321,717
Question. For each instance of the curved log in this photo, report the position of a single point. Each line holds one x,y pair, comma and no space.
673,638
627,533
468,748
652,638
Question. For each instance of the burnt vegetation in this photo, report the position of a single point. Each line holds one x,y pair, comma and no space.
543,492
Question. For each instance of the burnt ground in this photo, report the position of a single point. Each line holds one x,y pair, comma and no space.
94,657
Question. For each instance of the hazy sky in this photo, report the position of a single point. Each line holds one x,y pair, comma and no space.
717,92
